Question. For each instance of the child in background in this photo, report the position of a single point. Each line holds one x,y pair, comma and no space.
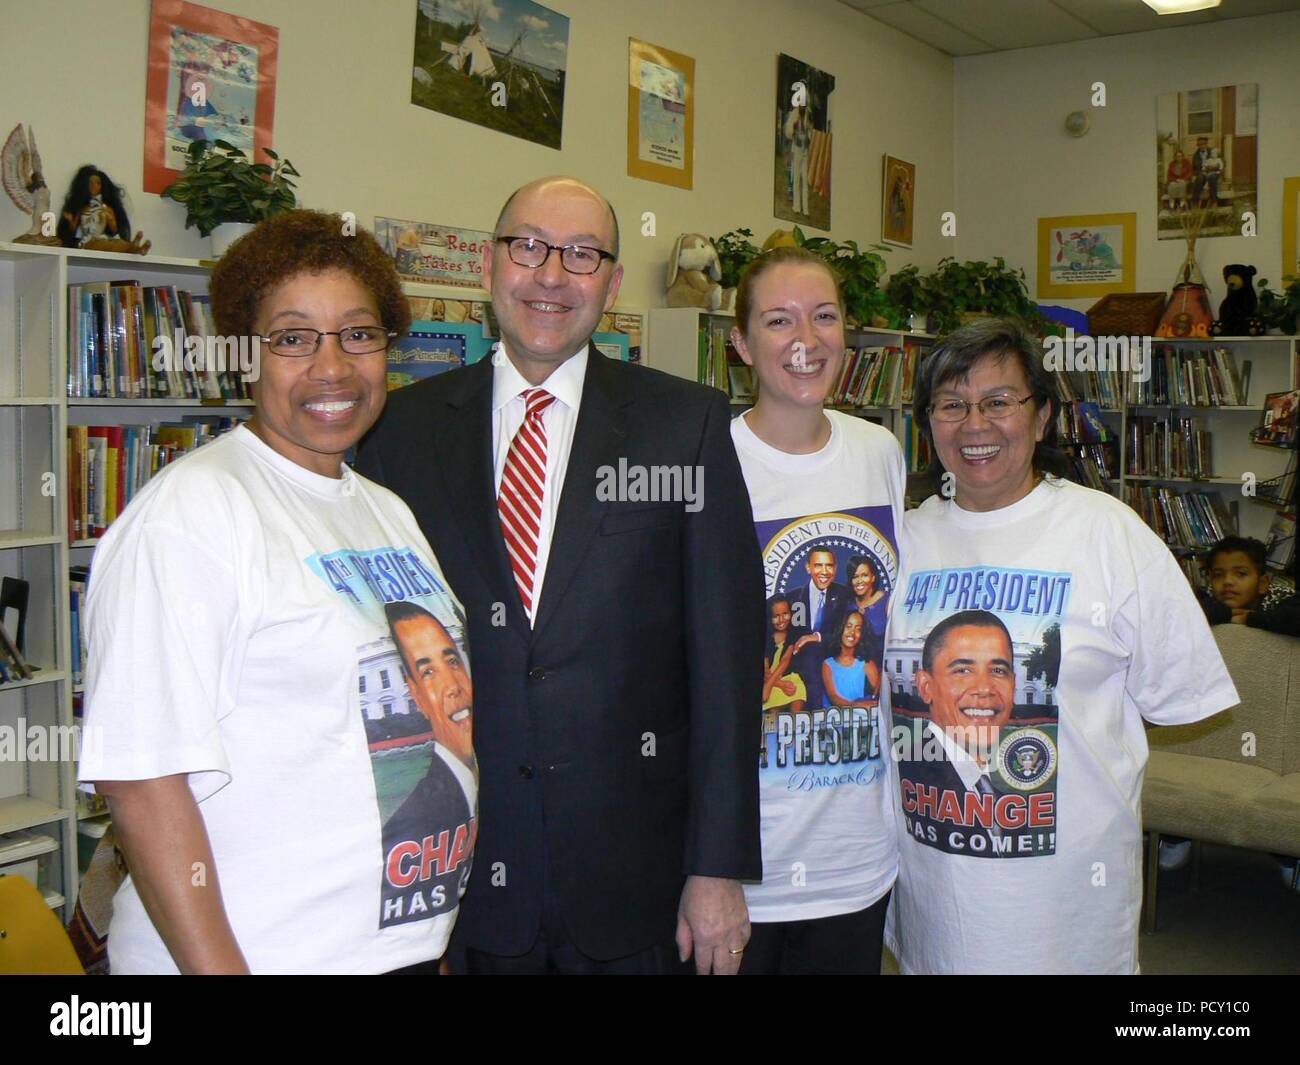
1242,592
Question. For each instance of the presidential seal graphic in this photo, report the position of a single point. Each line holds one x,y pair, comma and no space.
1027,758
791,551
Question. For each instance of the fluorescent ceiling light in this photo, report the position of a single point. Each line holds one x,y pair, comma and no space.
1179,7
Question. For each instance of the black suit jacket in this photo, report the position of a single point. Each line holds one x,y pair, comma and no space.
648,638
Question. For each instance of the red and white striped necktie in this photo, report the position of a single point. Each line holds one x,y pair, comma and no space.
519,499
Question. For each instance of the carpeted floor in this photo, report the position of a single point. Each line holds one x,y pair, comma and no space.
1240,918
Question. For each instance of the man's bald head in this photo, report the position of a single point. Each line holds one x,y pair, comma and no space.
543,184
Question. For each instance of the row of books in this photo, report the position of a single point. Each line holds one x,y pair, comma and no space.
129,341
78,578
916,448
109,464
1196,378
1193,570
1105,388
1079,421
869,376
1192,520
876,377
1095,464
1168,447
717,356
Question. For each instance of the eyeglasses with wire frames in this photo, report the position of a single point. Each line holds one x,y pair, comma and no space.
996,407
297,343
532,253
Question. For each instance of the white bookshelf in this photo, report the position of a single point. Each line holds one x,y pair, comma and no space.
1274,368
35,412
37,796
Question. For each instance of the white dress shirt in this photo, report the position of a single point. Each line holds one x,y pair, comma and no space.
560,418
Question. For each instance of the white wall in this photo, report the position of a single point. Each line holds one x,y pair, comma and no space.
344,95
1015,163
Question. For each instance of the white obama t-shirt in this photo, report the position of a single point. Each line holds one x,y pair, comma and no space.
237,634
1026,858
829,842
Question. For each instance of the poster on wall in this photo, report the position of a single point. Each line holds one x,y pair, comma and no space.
1087,254
660,114
211,77
896,210
434,254
802,181
1290,227
497,63
427,349
1207,157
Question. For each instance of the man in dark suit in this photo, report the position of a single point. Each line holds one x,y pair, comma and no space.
616,635
820,606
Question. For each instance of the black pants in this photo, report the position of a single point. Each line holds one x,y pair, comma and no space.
848,944
554,952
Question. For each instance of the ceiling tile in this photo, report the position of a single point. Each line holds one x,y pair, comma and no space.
1011,23
1246,8
1128,16
867,5
932,31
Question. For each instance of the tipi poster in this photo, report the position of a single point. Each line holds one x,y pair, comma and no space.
496,63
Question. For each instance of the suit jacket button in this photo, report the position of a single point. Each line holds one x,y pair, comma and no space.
526,771
536,674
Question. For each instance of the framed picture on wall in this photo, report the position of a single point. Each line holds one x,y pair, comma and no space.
434,254
500,64
1087,255
1290,227
896,202
211,77
802,180
660,114
1207,158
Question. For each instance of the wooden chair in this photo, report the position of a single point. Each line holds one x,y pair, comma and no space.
33,941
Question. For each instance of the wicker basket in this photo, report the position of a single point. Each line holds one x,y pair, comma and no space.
1127,314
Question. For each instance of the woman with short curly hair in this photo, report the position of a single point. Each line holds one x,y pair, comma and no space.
285,803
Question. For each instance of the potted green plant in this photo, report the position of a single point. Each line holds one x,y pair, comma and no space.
961,291
908,292
1280,310
220,188
865,302
735,252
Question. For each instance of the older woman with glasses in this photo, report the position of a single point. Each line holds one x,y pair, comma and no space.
1037,627
285,803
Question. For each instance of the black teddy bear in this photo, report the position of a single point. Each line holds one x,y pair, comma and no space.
1239,305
